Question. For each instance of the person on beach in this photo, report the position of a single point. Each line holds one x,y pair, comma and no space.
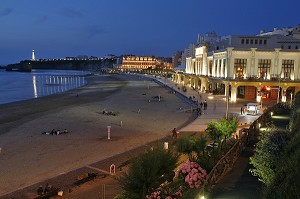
174,134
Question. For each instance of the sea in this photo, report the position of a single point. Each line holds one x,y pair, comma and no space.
18,86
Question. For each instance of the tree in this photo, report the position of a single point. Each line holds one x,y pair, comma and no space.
200,145
267,154
286,181
148,172
228,127
214,131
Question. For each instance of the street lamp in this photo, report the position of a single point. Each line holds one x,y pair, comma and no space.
278,93
227,101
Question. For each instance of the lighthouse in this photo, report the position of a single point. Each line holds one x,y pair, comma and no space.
32,56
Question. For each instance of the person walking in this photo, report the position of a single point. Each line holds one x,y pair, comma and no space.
205,104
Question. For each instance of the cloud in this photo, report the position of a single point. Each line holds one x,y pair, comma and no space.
5,12
67,12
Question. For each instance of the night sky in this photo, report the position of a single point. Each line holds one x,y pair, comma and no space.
60,28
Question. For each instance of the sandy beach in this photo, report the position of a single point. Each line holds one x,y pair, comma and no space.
28,156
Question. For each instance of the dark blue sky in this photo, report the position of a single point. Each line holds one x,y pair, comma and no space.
60,28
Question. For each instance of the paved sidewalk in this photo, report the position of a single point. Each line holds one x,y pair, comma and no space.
216,108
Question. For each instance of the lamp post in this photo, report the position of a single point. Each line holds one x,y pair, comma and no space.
278,93
227,100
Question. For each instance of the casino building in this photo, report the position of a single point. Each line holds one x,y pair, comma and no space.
248,67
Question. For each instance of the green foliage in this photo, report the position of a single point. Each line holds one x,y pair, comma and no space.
221,129
185,144
148,172
228,126
267,154
200,145
214,131
286,181
192,146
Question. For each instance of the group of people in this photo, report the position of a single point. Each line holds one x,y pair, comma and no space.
203,105
48,188
105,112
56,132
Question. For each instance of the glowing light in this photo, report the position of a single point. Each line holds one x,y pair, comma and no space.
272,113
34,86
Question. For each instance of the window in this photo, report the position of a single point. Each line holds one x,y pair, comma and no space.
260,42
289,47
287,68
296,47
282,46
240,67
247,41
255,41
243,41
251,41
264,66
265,42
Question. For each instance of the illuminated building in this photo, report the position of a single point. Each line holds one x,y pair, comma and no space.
247,67
137,63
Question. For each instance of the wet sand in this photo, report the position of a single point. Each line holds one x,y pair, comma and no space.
29,157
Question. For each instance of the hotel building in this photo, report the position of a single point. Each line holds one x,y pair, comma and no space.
137,63
252,67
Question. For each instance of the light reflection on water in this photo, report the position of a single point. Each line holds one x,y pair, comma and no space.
48,84
15,86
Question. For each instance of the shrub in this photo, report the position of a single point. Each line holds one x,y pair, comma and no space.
148,172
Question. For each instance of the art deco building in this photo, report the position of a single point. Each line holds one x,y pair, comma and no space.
246,67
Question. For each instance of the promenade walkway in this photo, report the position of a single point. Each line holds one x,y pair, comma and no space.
216,108
238,183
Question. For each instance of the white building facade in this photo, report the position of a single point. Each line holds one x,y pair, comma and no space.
249,67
